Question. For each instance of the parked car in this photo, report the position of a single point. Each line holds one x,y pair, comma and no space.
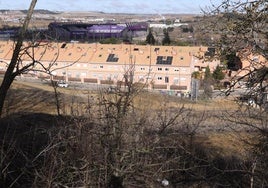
62,84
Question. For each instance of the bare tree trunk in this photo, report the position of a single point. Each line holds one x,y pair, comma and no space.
252,173
56,94
10,73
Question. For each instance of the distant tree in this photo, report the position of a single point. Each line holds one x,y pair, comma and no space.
218,74
150,38
196,75
166,40
208,74
242,27
207,83
182,43
169,22
188,29
170,29
242,30
13,68
234,63
110,41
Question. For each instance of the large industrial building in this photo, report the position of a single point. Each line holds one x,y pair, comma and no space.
63,31
83,32
157,67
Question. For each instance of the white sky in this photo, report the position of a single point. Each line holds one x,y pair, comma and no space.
114,6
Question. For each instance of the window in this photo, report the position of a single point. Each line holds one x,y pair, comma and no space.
166,69
101,66
63,45
142,68
100,55
159,69
175,80
181,58
176,70
159,78
166,79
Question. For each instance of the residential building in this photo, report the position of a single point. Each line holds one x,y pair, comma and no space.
157,67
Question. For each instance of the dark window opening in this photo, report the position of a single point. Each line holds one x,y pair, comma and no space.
63,45
166,79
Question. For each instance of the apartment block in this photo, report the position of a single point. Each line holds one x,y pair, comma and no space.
156,67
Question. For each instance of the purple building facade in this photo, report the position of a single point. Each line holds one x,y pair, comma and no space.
105,31
88,32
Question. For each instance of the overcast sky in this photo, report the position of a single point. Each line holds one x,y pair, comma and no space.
115,6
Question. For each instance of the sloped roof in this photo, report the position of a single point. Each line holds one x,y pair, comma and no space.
99,53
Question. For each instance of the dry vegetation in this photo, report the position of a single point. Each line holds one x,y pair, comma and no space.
25,97
126,138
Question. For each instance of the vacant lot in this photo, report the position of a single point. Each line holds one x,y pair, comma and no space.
205,117
101,133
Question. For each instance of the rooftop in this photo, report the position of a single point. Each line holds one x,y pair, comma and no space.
108,53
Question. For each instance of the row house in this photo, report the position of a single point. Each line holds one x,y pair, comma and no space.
157,67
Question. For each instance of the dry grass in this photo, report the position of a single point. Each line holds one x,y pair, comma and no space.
155,101
39,98
229,143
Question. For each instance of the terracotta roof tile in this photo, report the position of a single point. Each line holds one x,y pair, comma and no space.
99,53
